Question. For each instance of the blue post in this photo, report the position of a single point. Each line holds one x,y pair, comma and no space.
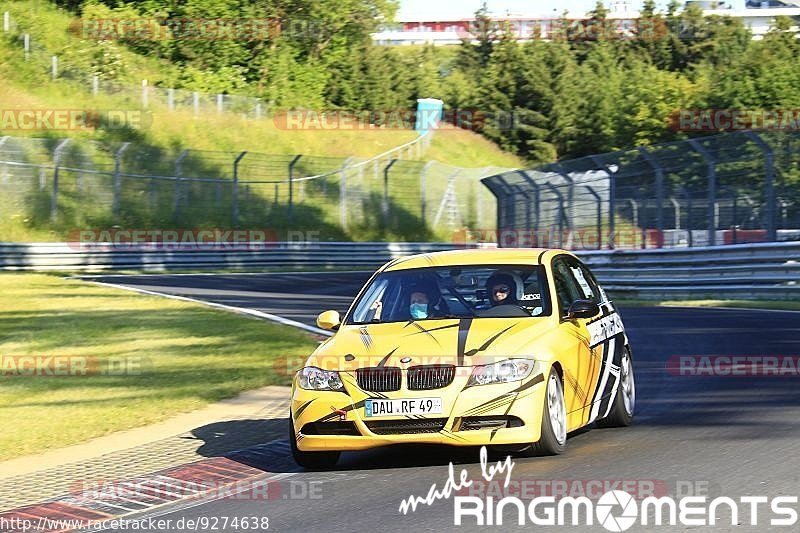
429,114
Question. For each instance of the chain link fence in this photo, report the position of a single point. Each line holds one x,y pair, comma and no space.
63,185
722,189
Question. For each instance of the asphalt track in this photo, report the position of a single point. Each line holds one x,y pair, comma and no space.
721,436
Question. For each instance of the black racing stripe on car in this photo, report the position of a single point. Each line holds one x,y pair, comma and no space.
365,337
541,255
605,313
331,416
603,362
427,332
383,361
491,404
302,408
612,383
463,331
423,330
494,432
489,342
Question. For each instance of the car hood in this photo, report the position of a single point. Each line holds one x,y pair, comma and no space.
460,342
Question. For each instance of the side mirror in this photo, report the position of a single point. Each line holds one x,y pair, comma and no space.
329,320
583,309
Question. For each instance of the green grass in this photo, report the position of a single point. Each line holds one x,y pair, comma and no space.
27,85
190,356
735,304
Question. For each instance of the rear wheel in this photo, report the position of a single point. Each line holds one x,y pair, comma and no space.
621,414
310,460
553,439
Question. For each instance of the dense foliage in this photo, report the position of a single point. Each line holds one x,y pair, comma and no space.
587,91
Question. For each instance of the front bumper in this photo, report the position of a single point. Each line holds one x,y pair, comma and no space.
506,413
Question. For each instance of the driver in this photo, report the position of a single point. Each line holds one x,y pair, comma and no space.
503,288
423,298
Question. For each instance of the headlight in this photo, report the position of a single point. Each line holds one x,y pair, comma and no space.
502,372
313,378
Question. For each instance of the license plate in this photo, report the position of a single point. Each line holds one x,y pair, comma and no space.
412,406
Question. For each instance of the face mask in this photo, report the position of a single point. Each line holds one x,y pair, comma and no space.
419,310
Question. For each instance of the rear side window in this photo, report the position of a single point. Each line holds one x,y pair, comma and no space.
567,289
585,281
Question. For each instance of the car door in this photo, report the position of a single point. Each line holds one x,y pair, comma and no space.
581,365
607,341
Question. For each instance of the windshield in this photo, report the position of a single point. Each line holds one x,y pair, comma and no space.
491,291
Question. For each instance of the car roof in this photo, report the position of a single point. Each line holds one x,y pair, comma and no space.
478,256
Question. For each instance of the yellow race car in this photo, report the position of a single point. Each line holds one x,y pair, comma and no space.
507,347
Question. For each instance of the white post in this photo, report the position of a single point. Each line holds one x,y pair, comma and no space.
196,102
258,110
54,66
171,99
26,43
95,84
6,22
220,103
144,93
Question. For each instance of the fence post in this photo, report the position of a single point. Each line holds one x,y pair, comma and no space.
659,188
6,22
235,190
343,193
54,67
220,103
712,188
291,186
5,167
115,206
769,186
423,198
95,85
612,201
536,200
385,203
56,161
599,201
178,184
26,45
171,99
258,110
196,103
561,214
144,94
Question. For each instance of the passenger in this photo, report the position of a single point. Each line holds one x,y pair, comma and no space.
504,288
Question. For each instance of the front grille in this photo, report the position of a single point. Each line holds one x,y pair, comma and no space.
430,377
471,423
379,379
330,428
396,427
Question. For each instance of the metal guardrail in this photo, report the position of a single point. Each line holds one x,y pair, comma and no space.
768,271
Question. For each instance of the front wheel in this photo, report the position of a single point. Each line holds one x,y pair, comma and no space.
310,460
553,439
621,414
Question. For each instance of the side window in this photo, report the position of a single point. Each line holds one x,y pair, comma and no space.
567,290
586,281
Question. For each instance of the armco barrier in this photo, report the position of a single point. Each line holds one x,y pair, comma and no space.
748,271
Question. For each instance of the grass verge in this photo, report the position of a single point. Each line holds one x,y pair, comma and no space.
184,357
733,304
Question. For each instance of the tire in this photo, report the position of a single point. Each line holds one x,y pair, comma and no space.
553,440
621,414
311,460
